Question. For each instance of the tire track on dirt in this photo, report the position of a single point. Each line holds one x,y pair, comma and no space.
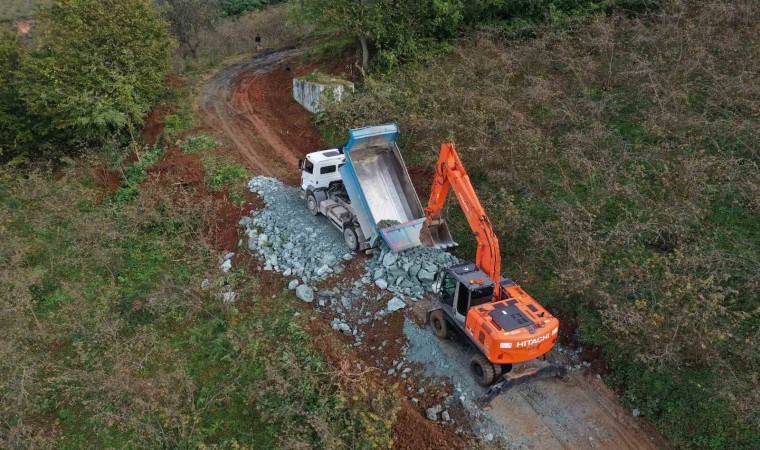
226,108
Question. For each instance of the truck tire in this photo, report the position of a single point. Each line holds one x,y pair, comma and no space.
481,369
311,204
352,240
439,325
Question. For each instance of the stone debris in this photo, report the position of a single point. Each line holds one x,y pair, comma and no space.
410,273
305,293
432,413
287,238
339,325
293,284
395,304
226,265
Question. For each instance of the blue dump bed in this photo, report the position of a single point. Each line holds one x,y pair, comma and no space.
380,189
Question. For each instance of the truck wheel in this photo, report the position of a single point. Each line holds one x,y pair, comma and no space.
311,204
439,324
352,241
481,369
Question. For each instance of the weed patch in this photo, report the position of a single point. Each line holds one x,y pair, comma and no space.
630,192
221,174
197,143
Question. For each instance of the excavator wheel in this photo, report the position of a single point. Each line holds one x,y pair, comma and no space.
439,325
311,204
482,370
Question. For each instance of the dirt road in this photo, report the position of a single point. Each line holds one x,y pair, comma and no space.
249,105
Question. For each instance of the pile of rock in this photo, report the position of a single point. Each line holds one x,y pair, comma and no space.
410,273
288,238
309,249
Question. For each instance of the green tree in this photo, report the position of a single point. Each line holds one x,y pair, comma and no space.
12,114
97,67
392,30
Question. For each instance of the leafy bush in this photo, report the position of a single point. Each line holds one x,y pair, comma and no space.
396,31
623,183
96,68
180,121
197,143
14,132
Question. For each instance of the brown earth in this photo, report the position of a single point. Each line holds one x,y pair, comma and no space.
249,105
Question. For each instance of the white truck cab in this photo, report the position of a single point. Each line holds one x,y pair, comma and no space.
324,192
319,169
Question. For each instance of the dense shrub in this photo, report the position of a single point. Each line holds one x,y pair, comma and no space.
236,8
94,69
397,31
618,164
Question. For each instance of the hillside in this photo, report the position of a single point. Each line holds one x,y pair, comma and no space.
617,158
163,284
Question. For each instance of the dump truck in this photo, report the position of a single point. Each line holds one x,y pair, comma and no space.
364,190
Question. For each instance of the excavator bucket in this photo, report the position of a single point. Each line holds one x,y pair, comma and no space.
436,234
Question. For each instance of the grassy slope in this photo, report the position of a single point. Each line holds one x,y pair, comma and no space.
12,9
618,161
109,340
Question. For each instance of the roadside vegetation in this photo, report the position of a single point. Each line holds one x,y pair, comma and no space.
617,158
115,329
110,341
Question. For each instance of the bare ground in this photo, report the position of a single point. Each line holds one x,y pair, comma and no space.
249,105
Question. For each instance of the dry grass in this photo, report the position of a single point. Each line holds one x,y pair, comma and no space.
109,341
618,160
15,9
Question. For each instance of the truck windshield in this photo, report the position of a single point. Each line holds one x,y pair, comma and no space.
308,166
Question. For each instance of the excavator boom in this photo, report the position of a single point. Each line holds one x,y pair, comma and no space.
451,174
504,322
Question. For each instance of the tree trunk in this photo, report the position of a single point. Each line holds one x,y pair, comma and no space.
365,52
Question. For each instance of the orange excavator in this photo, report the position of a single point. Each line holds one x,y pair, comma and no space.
504,324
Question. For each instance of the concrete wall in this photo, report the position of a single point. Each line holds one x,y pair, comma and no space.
309,92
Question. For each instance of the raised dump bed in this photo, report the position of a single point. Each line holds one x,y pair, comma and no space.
381,190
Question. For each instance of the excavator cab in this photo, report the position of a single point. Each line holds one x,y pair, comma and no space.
464,286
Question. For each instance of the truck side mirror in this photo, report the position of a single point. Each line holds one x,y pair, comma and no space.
301,163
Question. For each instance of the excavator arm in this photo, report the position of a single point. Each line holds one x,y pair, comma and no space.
513,329
451,174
